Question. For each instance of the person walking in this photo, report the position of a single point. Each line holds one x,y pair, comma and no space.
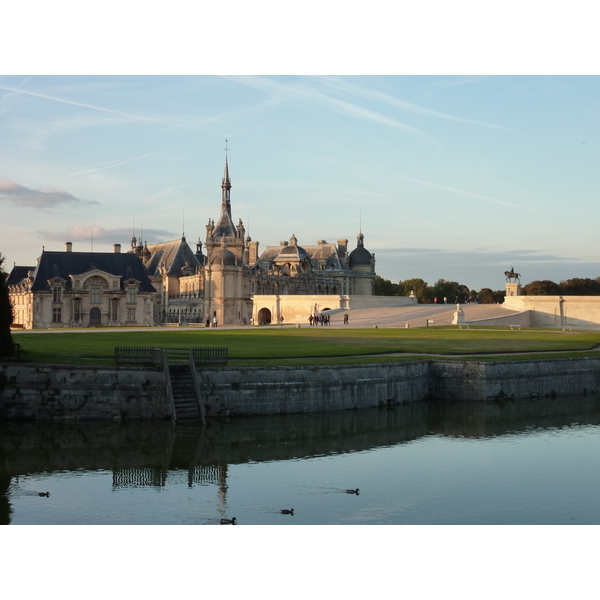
215,321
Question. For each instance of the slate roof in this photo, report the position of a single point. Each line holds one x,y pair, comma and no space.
317,252
224,227
173,255
64,264
18,274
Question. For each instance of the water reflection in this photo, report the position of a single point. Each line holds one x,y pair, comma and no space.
153,454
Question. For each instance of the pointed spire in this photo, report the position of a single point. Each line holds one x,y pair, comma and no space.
225,227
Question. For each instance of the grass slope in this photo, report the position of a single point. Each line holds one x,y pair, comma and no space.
283,346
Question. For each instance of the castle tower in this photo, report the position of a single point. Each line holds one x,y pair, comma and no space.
225,229
226,286
362,263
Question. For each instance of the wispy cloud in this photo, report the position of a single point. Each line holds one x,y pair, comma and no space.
384,98
458,191
18,88
104,166
428,183
18,195
81,104
80,232
308,94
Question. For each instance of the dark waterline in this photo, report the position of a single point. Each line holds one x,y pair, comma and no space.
421,463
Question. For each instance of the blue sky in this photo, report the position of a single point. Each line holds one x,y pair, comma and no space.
449,176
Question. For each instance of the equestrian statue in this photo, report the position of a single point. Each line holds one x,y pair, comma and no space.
512,275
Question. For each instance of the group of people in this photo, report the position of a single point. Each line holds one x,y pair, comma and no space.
215,321
456,300
319,318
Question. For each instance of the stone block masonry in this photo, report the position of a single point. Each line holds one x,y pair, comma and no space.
279,390
62,393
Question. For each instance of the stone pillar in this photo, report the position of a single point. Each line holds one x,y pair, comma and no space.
513,289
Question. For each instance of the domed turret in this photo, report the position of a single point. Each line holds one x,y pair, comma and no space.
360,256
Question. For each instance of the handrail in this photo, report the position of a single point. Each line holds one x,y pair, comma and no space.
197,387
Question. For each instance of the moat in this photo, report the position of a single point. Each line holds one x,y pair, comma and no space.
514,462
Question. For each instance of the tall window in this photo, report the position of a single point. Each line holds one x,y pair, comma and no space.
56,315
114,309
57,294
95,295
131,295
131,315
77,309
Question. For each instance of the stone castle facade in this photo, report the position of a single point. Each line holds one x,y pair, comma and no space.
168,282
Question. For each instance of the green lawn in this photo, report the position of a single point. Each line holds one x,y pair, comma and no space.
283,346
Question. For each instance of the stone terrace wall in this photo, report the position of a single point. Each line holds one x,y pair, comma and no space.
275,390
514,379
55,392
47,392
578,312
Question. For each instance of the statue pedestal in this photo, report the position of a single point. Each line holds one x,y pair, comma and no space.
459,316
513,289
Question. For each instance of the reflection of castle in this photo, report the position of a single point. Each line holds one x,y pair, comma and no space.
225,282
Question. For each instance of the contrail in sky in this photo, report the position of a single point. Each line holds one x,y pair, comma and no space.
18,88
443,187
93,169
108,110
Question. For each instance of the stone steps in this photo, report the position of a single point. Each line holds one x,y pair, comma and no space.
184,393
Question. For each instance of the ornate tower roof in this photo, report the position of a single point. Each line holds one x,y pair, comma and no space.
360,256
225,227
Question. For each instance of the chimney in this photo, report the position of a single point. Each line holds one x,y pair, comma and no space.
342,247
117,248
253,253
68,247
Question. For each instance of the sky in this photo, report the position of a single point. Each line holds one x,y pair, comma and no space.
457,175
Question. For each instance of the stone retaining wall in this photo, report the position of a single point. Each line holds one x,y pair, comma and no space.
54,392
275,390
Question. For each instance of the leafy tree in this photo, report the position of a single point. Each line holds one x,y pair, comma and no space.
384,287
542,288
580,287
6,314
418,286
487,296
448,289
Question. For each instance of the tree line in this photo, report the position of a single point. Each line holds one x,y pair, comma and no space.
426,294
455,291
569,287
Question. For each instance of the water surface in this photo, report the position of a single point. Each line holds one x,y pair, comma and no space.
421,463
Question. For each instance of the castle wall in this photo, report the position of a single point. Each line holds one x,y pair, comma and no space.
578,312
61,392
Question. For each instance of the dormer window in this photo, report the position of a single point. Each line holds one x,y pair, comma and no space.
95,295
131,295
57,294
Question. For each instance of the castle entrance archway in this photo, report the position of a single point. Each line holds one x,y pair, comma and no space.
264,316
95,317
